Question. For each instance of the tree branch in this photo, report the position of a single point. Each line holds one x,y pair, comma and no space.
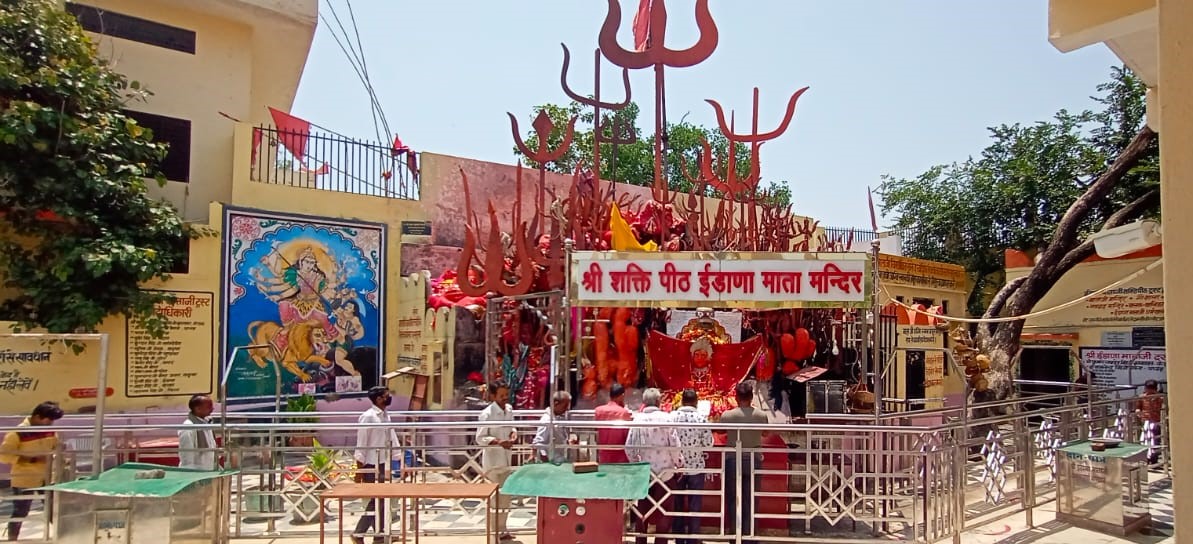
1000,300
1065,235
1083,251
1133,209
1064,241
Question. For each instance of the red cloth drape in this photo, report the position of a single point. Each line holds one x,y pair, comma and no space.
671,362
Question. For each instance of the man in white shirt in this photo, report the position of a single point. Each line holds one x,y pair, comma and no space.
658,446
561,402
497,434
375,447
196,447
694,444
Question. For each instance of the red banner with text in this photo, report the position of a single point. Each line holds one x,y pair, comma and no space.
720,280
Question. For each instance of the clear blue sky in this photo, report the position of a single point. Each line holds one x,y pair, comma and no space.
896,85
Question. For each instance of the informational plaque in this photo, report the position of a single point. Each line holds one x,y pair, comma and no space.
180,362
1125,366
720,280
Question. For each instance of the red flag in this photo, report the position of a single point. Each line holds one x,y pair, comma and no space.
642,25
256,144
873,217
399,147
322,170
292,132
412,161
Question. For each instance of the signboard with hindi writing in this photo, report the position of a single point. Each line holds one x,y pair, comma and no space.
920,273
178,363
1125,366
720,280
33,370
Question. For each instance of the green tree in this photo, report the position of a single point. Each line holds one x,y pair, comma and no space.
79,234
1015,192
634,162
1042,188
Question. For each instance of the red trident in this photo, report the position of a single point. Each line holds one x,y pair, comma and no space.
543,127
658,55
618,133
755,139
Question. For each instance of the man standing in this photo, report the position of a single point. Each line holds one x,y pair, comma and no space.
29,454
196,447
497,435
374,449
693,443
559,452
658,446
748,441
1149,406
612,439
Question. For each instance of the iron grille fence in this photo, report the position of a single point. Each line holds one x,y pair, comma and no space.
330,162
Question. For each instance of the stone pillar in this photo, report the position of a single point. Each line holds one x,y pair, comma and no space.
1176,191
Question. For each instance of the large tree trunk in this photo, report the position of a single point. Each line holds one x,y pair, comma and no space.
1001,341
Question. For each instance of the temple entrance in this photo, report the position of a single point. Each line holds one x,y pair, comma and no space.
1044,364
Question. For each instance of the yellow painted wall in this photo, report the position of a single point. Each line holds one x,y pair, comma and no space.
1138,303
217,78
942,283
193,368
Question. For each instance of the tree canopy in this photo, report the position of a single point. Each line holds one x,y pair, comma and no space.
634,162
78,233
1014,193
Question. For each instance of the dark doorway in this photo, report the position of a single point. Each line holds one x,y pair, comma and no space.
1044,364
914,384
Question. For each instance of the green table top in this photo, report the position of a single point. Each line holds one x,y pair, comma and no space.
1123,451
121,481
612,481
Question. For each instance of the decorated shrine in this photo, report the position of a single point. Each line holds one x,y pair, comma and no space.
658,288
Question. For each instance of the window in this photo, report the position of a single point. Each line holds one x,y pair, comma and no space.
183,266
177,134
118,25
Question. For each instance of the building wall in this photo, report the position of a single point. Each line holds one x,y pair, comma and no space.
917,281
218,78
1125,317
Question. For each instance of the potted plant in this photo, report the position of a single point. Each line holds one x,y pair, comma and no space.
301,403
325,468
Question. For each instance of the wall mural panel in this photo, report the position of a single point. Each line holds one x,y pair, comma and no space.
313,289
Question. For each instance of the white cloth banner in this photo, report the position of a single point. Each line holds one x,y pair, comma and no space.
742,280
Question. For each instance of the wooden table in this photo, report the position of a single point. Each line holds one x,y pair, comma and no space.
408,491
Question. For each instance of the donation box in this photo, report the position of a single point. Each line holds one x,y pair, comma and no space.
1102,490
587,508
144,504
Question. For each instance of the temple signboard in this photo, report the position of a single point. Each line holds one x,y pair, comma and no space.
720,280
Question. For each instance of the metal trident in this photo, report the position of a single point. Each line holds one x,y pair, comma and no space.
658,55
749,218
620,133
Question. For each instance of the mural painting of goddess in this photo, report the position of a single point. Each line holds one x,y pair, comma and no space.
311,291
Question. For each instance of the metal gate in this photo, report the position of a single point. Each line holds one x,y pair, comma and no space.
545,313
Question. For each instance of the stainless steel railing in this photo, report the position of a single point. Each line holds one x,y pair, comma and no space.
869,481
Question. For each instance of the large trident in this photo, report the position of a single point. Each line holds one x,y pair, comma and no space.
755,139
618,133
658,55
